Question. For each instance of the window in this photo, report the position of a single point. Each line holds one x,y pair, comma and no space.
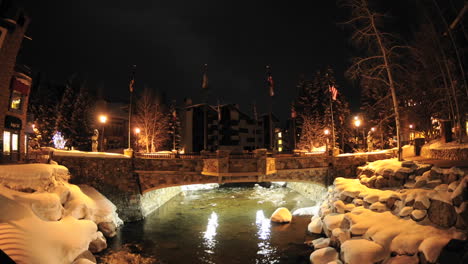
14,142
15,102
6,141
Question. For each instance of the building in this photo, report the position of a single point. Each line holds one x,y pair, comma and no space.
15,83
226,127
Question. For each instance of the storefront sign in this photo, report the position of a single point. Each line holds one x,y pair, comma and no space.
12,122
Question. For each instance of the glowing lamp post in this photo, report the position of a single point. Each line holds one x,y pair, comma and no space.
357,124
102,120
327,133
137,134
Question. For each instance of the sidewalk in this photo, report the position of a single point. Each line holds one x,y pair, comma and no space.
440,163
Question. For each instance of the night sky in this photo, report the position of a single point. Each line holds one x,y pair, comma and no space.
169,41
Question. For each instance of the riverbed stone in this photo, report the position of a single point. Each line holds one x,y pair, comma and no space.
281,215
316,225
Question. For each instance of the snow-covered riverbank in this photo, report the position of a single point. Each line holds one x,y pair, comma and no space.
393,224
45,219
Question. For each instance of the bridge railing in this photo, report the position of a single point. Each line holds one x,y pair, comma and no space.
168,156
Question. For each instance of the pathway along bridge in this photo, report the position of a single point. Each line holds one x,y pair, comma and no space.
127,181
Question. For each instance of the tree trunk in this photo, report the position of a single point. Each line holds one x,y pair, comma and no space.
390,80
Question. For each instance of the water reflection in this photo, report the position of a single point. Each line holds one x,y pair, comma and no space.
210,233
265,250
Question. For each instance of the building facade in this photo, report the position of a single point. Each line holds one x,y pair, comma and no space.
226,127
15,83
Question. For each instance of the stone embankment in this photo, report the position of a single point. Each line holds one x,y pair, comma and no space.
394,212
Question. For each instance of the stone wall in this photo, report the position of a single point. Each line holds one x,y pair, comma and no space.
313,191
150,201
242,165
444,154
113,177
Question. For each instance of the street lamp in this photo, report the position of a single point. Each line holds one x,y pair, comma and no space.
326,132
137,133
102,120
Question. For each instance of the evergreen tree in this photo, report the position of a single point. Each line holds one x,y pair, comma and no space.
314,111
80,122
65,110
42,106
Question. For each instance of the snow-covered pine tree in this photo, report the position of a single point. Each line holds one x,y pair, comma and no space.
42,106
65,109
80,123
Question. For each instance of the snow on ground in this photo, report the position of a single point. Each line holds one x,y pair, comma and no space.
367,153
76,153
439,144
54,224
38,177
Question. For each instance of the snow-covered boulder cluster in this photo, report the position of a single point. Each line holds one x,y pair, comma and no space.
47,220
406,225
391,173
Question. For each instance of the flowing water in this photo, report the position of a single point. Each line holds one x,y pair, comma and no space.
221,225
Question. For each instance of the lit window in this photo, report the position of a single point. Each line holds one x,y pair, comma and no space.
279,134
6,141
280,149
14,142
280,142
15,101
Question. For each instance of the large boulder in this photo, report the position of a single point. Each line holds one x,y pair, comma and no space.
281,215
442,214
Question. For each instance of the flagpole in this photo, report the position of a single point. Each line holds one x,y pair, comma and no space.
205,116
255,125
271,93
332,121
132,84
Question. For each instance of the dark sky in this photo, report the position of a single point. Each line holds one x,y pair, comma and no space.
169,41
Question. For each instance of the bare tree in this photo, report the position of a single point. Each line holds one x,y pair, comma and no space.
378,66
312,133
152,122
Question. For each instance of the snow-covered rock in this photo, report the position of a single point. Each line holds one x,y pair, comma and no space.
320,243
418,215
323,256
406,211
339,206
108,228
281,215
315,226
46,206
35,177
306,211
98,244
378,207
361,251
85,257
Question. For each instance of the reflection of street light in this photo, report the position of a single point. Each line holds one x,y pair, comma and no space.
102,120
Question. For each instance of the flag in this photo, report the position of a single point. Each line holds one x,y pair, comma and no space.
174,115
205,78
333,91
293,112
131,85
219,112
270,82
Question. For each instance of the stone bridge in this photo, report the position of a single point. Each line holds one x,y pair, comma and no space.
131,182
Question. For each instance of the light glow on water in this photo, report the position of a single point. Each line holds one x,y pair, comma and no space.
210,233
265,250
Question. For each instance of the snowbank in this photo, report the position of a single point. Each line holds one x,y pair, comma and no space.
32,177
76,153
54,224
